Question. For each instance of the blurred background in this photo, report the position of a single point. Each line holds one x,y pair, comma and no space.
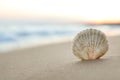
28,23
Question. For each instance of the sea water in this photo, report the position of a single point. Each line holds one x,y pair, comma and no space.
15,36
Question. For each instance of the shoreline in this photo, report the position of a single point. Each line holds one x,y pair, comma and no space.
55,42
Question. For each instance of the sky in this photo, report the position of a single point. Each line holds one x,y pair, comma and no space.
89,10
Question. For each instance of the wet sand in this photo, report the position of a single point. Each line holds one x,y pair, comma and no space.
56,62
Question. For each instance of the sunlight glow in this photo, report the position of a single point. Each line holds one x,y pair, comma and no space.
74,9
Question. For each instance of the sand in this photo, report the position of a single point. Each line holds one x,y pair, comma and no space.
56,62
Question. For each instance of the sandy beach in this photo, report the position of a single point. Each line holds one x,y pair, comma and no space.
56,62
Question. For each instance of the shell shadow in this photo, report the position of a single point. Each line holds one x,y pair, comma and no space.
102,60
91,63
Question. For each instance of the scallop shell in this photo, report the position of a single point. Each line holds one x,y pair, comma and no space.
90,44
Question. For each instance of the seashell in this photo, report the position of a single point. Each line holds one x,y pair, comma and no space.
90,44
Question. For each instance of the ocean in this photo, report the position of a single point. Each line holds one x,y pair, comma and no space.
15,36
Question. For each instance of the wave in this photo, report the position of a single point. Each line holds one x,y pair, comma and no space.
17,36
